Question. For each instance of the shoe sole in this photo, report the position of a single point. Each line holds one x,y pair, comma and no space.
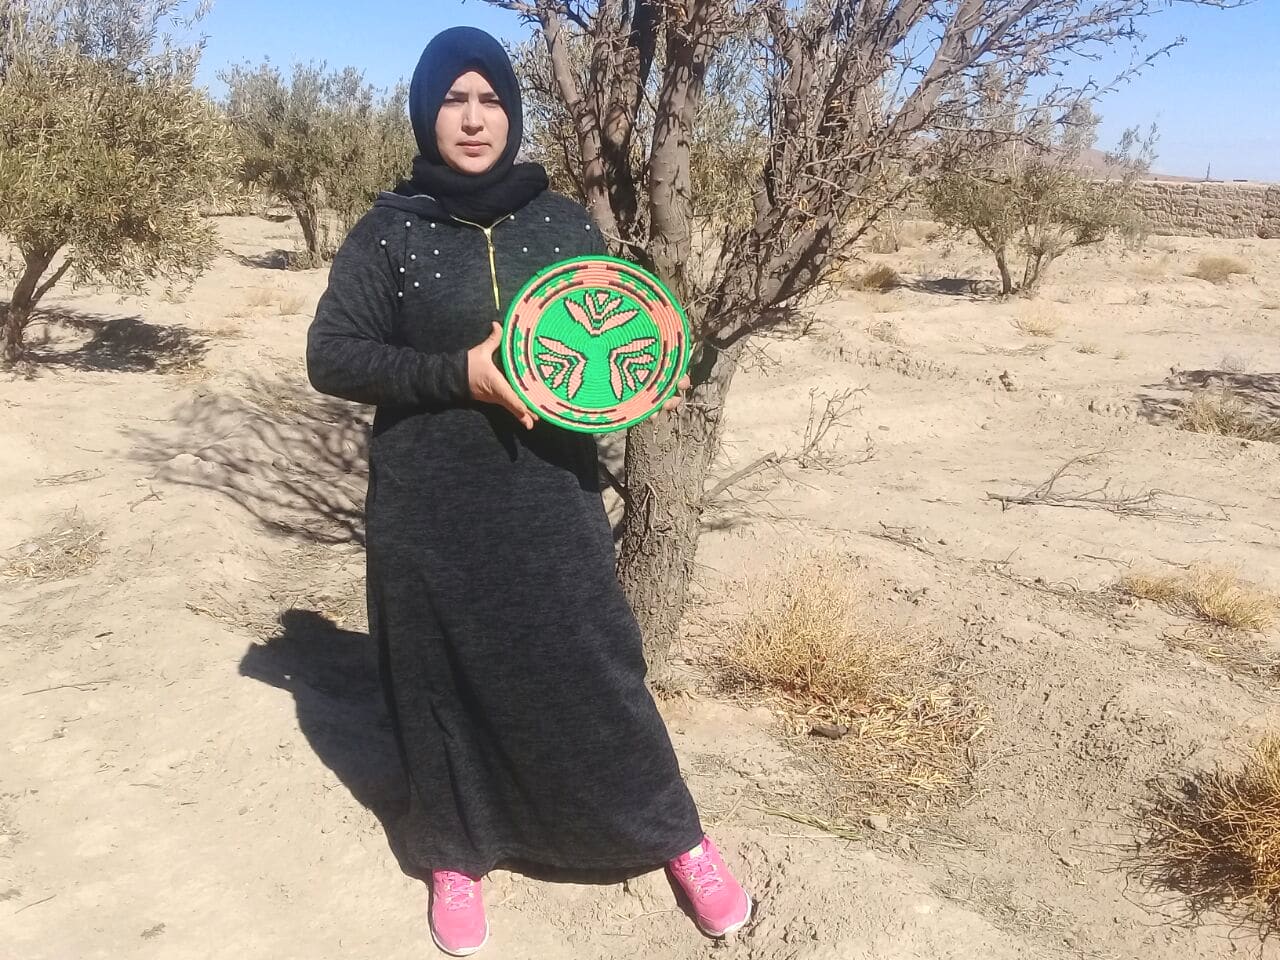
466,951
733,927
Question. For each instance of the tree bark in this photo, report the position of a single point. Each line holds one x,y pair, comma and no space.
26,295
667,461
1006,278
307,220
1037,264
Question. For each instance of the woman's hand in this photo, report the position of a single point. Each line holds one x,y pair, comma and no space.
675,400
487,383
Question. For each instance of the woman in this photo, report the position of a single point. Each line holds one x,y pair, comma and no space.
511,660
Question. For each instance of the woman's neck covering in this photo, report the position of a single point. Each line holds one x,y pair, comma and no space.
507,186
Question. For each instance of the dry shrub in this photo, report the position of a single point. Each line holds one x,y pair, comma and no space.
806,637
1038,320
811,642
1223,413
1089,349
1219,269
1215,839
260,297
878,279
885,331
1213,594
70,547
291,304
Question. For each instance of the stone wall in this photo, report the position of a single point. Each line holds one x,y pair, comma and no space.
1211,209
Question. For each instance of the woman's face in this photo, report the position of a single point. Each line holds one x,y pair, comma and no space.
471,127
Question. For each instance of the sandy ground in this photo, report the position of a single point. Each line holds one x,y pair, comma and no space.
196,763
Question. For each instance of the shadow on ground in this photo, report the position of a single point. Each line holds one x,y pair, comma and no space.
1164,402
116,344
270,260
333,676
967,288
292,458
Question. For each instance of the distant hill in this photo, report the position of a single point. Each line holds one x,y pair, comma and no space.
1096,161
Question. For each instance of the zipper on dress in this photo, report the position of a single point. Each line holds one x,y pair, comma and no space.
493,264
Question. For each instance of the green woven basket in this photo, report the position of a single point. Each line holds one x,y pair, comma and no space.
595,344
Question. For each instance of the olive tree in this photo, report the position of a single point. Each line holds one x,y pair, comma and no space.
107,149
323,142
1022,182
849,97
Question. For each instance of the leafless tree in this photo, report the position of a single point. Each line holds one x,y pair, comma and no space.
852,97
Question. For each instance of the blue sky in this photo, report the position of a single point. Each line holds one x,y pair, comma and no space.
1215,100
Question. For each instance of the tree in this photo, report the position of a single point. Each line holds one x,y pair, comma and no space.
326,140
106,149
851,95
727,146
1023,184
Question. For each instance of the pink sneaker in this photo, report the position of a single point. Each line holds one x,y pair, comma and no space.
458,923
720,905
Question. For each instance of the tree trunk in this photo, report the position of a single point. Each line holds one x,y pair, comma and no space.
308,220
667,460
1037,264
25,297
1006,279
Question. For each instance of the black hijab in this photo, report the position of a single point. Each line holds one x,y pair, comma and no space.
482,198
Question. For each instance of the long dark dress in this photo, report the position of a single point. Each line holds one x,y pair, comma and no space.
511,660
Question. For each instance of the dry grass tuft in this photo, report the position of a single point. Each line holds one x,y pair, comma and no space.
1038,320
1223,413
811,643
1089,349
260,297
1215,839
1213,594
880,278
70,547
292,304
806,637
886,331
1219,269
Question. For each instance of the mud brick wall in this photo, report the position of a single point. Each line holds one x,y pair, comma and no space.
1211,209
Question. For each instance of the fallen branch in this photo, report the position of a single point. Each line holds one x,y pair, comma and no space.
1099,498
77,476
811,452
68,686
759,466
906,536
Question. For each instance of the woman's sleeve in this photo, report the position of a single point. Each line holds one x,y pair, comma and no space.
349,349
